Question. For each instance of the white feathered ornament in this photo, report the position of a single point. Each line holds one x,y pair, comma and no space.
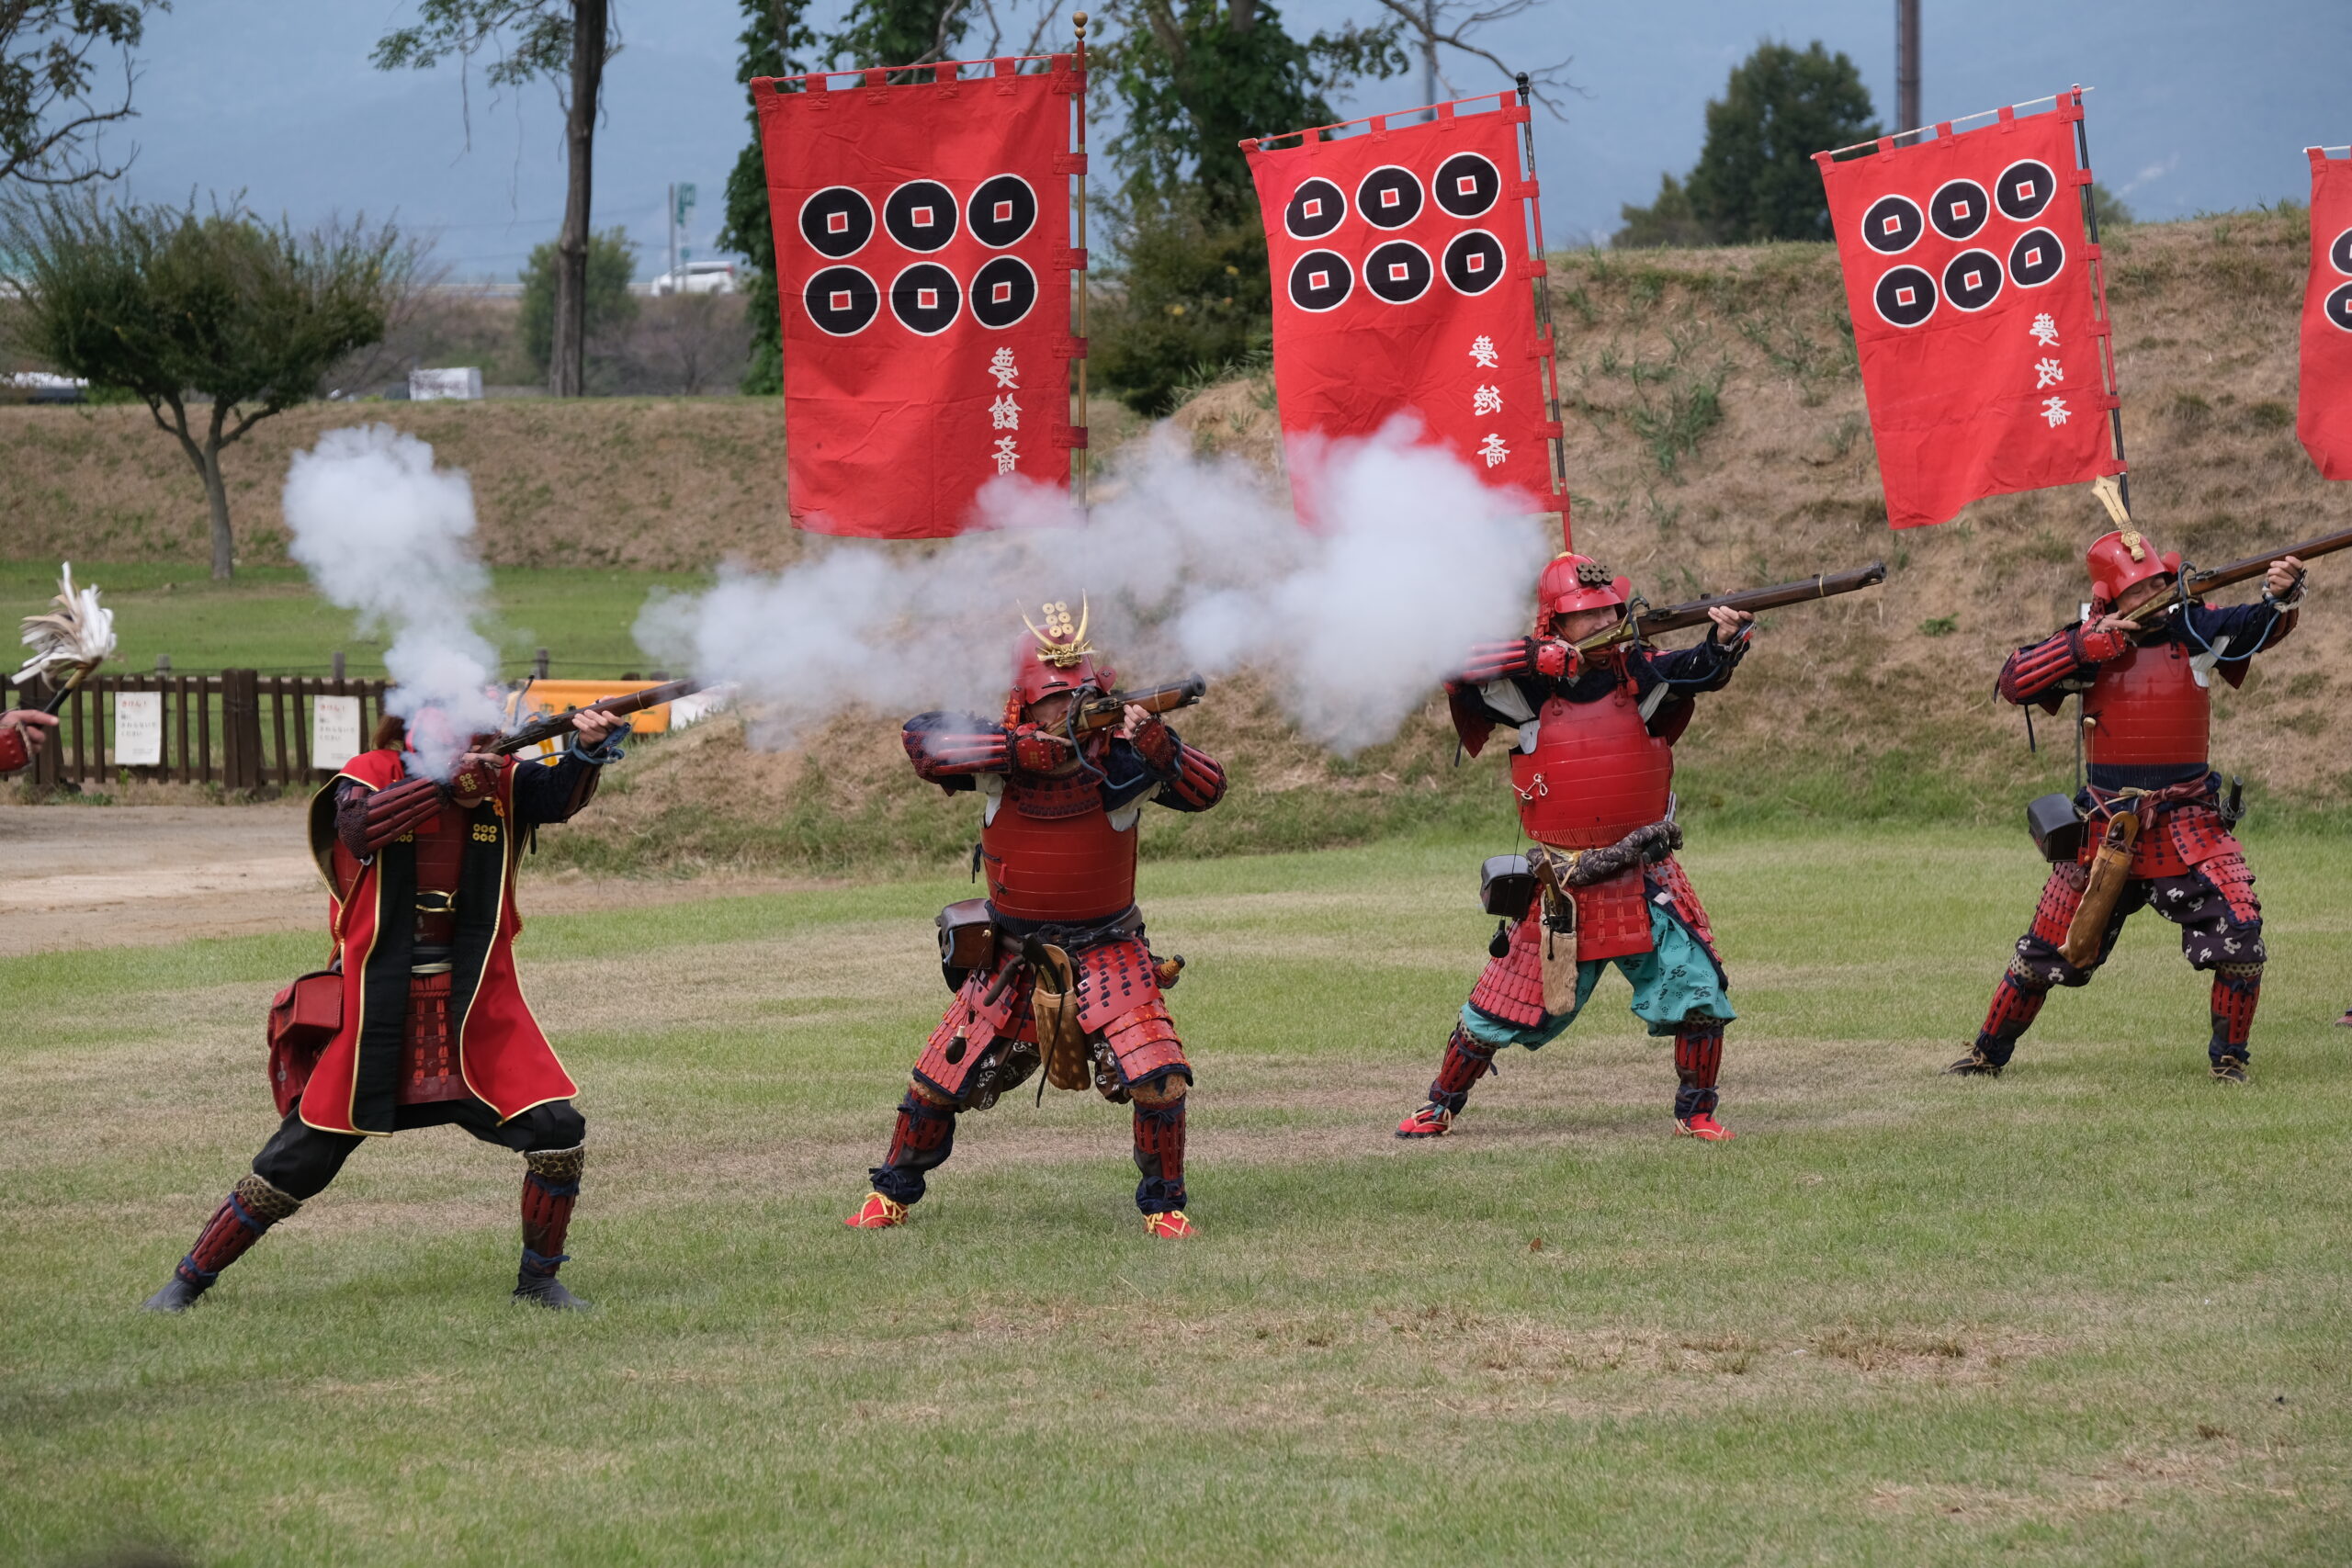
68,642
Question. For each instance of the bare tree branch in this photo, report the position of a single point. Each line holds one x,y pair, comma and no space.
1448,25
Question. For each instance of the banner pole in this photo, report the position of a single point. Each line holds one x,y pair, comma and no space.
2107,321
1554,445
1079,22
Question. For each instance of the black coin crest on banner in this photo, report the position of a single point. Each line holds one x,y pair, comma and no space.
841,300
1466,184
1399,271
1473,261
1959,209
1892,225
2338,306
2339,254
1905,297
926,299
1002,209
921,215
837,221
1002,291
1389,197
1320,280
2036,258
1972,279
2024,189
1314,209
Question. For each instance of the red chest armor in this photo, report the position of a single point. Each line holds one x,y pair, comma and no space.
2148,710
1596,773
1059,859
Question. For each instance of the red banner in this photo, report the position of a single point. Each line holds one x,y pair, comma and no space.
1401,285
923,255
1981,326
2323,409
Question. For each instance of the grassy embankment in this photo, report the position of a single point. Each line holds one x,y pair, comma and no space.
1716,437
2091,1313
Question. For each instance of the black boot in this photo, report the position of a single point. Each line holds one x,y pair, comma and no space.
545,1290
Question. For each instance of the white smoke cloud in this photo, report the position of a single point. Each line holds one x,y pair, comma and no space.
383,532
1187,565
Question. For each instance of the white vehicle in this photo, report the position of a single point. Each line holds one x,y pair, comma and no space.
697,277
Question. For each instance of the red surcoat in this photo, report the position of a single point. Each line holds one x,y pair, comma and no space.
502,1055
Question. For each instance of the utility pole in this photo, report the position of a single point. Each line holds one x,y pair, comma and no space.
672,275
1429,54
1907,64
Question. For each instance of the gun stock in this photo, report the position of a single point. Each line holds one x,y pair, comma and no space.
522,738
1642,621
1105,711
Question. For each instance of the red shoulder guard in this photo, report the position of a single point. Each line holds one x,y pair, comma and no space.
945,745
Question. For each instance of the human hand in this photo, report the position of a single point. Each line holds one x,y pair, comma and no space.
32,727
2285,578
1728,622
593,725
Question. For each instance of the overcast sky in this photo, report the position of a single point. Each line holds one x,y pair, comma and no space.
2199,106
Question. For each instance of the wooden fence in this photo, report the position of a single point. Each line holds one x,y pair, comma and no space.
239,729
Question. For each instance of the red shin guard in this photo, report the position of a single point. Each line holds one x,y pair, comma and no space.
1160,1157
1698,1057
2237,987
251,1208
550,1187
1467,1061
2012,1012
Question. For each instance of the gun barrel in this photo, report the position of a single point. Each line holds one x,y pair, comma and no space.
2255,566
525,735
1826,585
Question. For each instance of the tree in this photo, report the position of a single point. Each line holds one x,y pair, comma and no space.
564,41
1668,220
49,66
773,36
1756,178
171,304
605,301
1189,296
1195,78
2109,208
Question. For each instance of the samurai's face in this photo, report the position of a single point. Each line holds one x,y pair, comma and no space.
2141,594
1048,712
1575,626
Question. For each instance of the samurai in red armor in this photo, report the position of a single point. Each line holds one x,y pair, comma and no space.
1062,976
433,1028
1593,767
2142,663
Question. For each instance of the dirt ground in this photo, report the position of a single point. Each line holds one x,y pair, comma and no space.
136,875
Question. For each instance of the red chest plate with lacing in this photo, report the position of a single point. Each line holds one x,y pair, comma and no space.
2146,709
440,856
1596,773
1070,867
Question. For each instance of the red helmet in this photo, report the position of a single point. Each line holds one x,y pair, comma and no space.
2120,559
1573,582
1055,657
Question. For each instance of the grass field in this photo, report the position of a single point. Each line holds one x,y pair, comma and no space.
2091,1313
269,618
